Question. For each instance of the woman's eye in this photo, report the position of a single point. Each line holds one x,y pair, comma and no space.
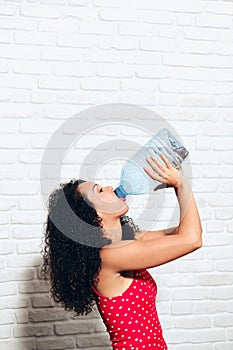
101,189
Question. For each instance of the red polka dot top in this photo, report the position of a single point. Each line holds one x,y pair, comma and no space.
131,319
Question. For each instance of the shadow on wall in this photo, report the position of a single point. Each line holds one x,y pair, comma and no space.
44,325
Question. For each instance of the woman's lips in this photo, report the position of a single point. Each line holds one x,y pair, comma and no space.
123,199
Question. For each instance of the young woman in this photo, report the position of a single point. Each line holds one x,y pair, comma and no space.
110,268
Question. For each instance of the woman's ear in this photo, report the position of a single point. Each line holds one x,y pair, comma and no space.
99,214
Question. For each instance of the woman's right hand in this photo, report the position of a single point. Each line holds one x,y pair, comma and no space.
167,174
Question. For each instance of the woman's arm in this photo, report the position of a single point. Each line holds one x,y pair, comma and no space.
147,235
146,253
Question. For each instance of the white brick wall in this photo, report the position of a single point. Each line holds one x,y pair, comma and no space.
59,57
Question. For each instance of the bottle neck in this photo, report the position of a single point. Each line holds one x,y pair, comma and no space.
120,192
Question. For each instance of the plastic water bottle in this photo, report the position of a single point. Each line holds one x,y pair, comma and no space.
133,179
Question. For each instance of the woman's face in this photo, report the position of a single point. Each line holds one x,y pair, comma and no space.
103,199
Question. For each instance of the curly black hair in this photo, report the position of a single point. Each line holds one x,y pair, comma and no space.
72,242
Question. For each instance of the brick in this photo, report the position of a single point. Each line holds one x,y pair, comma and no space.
217,239
7,247
118,15
230,226
75,40
215,279
42,301
222,293
219,200
184,19
57,83
32,246
202,34
176,86
5,92
21,23
5,332
168,5
34,68
27,231
28,217
9,302
221,345
79,327
5,36
48,315
21,275
117,43
157,45
196,293
138,85
34,287
19,53
34,330
176,280
44,11
74,70
32,38
224,101
101,84
222,75
34,203
224,265
225,8
38,126
212,21
21,316
55,343
223,214
215,226
198,267
34,156
223,49
14,345
209,335
6,317
62,54
224,145
41,97
4,232
181,308
223,320
7,9
146,16
217,172
197,47
151,72
97,27
78,2
119,71
8,289
19,142
173,59
209,307
112,3
213,253
205,101
218,130
192,322
93,340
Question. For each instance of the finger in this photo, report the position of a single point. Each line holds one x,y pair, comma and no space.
160,165
153,176
155,168
166,161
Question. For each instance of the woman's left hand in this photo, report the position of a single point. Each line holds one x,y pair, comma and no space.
165,174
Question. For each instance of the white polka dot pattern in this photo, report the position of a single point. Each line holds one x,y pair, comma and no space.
131,319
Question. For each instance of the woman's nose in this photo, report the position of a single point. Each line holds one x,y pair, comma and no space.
109,188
